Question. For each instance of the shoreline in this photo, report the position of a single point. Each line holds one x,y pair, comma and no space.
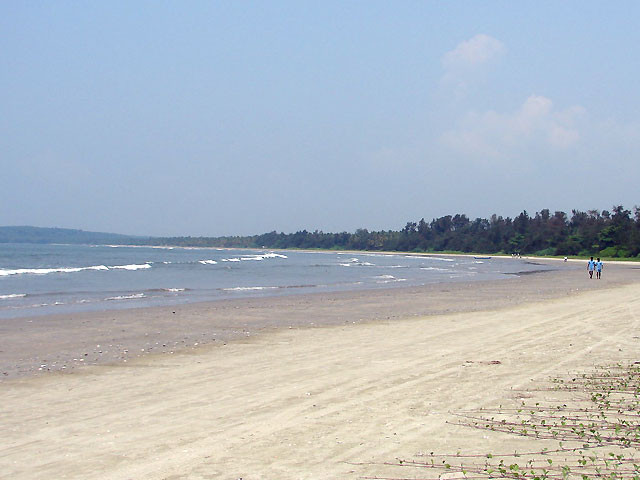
574,258
39,303
194,286
335,402
65,342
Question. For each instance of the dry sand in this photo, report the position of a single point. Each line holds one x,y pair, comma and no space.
306,403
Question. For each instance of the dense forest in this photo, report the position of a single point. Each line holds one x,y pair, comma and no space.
603,233
608,234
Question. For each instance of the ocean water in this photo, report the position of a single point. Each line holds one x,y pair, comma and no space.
45,279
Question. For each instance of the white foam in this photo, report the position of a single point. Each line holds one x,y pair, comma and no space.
257,258
173,289
45,271
161,247
391,280
435,269
437,259
12,295
130,267
208,262
391,277
273,255
240,289
354,262
127,297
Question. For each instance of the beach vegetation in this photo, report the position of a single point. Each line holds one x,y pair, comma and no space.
584,426
547,252
615,252
608,234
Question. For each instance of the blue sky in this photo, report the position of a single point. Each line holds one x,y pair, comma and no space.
223,118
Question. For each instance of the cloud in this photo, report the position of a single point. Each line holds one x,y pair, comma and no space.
474,52
535,125
466,63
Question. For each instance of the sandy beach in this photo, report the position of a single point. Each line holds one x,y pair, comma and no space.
326,386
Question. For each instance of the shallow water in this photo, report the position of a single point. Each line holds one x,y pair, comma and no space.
44,279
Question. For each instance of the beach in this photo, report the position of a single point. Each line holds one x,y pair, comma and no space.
321,386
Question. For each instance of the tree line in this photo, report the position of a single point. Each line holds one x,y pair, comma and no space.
614,233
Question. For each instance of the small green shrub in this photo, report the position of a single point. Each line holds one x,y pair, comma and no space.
617,252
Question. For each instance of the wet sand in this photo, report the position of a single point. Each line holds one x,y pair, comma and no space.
359,379
43,344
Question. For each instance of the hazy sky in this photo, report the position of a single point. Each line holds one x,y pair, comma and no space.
237,117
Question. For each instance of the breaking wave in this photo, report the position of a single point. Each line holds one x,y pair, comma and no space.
12,295
131,267
256,258
46,271
127,297
355,262
389,279
242,289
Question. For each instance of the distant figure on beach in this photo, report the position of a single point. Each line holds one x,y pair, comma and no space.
599,266
591,267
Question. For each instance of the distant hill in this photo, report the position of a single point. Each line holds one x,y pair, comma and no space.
25,234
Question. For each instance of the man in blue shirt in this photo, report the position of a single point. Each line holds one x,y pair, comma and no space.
591,267
599,266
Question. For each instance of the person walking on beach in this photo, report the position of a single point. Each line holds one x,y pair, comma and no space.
599,266
591,267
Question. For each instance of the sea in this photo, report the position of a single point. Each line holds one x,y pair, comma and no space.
40,279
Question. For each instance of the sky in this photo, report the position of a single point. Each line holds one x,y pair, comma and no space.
238,118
